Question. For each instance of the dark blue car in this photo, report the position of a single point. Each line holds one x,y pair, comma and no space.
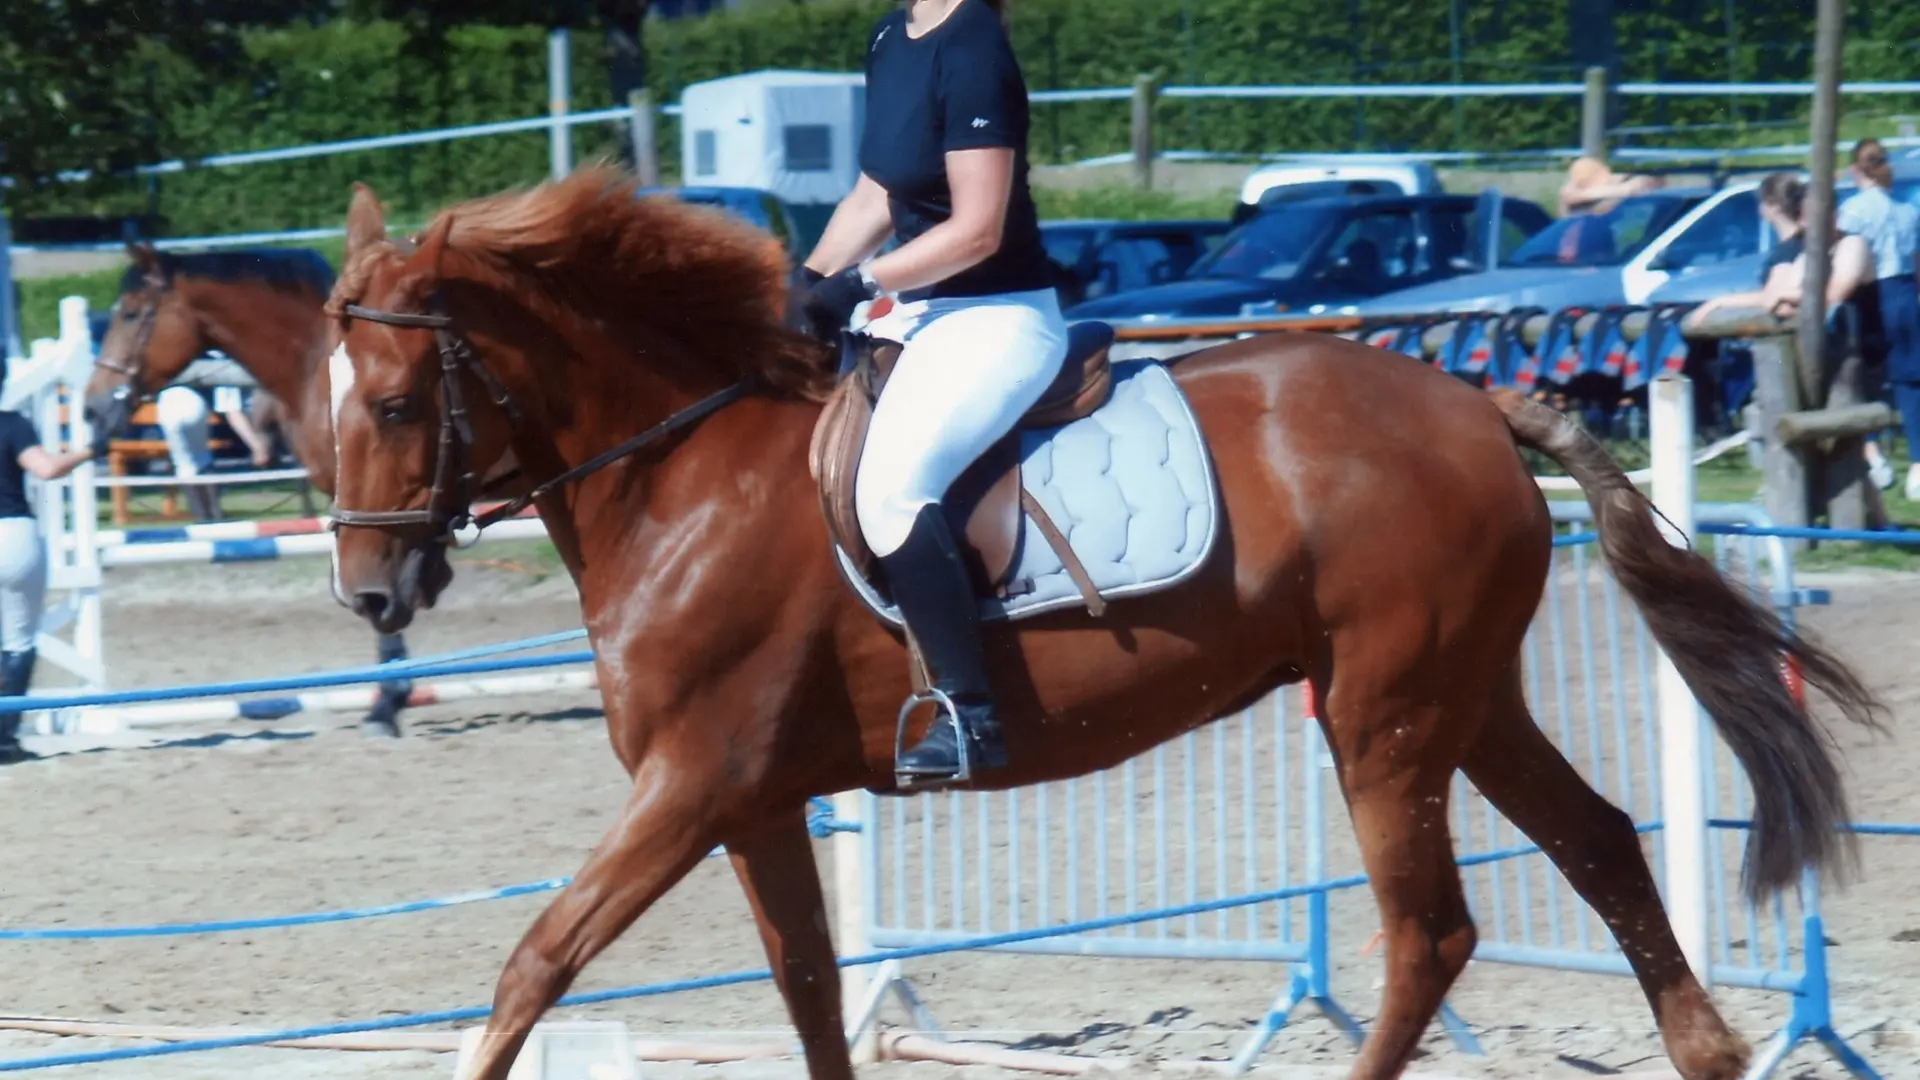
1317,254
752,205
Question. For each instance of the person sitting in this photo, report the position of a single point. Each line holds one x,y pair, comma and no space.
183,416
1593,187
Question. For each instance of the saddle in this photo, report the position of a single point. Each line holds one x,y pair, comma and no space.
986,505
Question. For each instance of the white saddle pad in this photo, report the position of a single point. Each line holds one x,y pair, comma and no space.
1131,487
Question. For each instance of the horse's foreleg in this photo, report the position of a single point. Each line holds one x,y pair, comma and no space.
391,695
663,832
1595,846
1396,761
777,869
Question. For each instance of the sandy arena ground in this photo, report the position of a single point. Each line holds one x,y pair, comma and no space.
306,815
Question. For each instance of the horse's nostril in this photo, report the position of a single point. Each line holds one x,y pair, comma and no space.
371,604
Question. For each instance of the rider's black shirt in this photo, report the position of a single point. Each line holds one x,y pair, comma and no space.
956,87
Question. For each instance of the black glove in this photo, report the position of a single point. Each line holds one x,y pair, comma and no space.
829,303
102,443
803,278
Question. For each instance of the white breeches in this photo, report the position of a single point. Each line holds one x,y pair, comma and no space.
183,420
969,367
23,582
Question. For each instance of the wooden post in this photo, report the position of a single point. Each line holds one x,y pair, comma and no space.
1844,480
1593,115
1776,388
646,148
1145,89
1819,208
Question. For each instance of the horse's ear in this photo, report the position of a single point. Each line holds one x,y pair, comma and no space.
431,247
144,256
366,220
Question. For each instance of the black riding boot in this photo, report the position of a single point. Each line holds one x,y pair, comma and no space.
16,674
930,583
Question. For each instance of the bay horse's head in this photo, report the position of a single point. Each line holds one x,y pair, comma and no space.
152,334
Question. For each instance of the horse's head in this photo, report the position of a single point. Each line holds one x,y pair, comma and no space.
399,378
151,336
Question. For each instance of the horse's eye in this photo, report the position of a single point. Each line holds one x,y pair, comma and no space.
397,409
129,316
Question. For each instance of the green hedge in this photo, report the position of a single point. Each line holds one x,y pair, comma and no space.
342,80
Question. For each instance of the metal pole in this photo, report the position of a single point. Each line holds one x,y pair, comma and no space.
559,82
1593,115
1459,104
1819,207
12,341
646,150
1682,794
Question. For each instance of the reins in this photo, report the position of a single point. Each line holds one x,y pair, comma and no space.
453,471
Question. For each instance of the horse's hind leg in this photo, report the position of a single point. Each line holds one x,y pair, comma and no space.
664,831
390,696
1397,757
777,869
1595,846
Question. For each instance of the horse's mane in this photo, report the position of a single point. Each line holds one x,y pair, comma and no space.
588,249
291,269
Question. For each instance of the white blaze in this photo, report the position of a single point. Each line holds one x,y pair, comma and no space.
339,383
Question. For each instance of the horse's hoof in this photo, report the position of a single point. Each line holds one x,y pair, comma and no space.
382,722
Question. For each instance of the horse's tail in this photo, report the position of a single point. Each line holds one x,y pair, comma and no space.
1729,650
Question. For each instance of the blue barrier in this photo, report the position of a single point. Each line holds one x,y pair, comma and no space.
821,823
480,1012
1786,532
372,673
94,933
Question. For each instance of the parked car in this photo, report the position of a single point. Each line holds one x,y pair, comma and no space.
1592,260
1099,258
1295,181
762,208
1322,253
1698,281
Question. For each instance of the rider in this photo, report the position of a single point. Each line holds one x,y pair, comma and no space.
944,169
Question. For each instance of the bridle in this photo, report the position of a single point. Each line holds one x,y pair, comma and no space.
453,473
134,370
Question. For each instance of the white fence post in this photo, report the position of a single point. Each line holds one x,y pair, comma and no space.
850,927
1682,738
559,83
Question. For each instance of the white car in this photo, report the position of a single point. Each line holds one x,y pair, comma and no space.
1290,181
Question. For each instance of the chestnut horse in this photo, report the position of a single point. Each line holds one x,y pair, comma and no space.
261,307
1384,542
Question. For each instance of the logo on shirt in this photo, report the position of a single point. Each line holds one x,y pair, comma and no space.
878,36
979,121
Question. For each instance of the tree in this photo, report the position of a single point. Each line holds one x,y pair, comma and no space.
621,23
75,91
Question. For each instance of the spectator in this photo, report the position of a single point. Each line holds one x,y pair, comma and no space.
1782,203
23,563
183,421
1890,324
1594,188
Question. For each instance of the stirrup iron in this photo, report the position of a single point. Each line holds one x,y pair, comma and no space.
945,711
